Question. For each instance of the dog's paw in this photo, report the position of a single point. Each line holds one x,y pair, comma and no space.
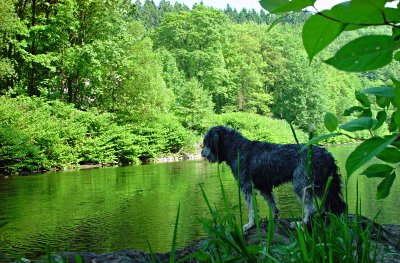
247,227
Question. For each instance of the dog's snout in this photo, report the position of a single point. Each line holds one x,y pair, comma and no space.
203,153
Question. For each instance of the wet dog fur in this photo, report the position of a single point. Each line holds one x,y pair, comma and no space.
268,165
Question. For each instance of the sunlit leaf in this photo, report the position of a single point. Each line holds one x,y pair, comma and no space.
317,139
366,151
364,53
331,122
358,12
385,185
363,123
384,91
377,170
319,32
283,6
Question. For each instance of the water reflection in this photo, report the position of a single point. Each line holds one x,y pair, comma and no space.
124,207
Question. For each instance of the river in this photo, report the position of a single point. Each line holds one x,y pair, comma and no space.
118,208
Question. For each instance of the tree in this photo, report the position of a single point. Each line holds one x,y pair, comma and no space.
10,27
196,39
193,105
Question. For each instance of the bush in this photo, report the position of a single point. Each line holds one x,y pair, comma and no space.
255,127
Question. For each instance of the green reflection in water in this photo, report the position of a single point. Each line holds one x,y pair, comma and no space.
122,207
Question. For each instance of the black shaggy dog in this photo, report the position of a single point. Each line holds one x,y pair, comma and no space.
268,165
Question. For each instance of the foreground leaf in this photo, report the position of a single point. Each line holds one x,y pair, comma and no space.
381,117
378,170
366,151
385,185
351,110
389,155
317,139
364,53
283,6
319,32
363,123
363,99
384,91
330,121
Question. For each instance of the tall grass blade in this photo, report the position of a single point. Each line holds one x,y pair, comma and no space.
239,193
48,254
326,191
78,259
172,254
271,229
255,209
206,199
152,255
224,195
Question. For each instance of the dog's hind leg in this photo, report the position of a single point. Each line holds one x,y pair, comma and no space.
303,191
270,198
249,202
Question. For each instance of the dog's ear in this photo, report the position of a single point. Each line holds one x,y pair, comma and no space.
211,140
214,141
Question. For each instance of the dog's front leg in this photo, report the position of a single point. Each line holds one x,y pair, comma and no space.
249,203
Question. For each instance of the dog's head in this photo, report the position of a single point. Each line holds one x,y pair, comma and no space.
213,140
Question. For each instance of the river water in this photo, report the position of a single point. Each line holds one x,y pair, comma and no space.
118,208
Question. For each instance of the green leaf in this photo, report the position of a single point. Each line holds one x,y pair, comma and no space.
365,113
359,12
363,99
389,155
396,97
392,16
397,56
317,139
363,123
366,151
351,110
383,91
331,122
378,170
275,22
397,118
283,6
364,53
385,185
319,32
392,123
383,102
381,117
396,33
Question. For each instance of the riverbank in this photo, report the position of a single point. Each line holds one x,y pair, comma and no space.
386,237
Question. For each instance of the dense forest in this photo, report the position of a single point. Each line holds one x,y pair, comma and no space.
121,82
